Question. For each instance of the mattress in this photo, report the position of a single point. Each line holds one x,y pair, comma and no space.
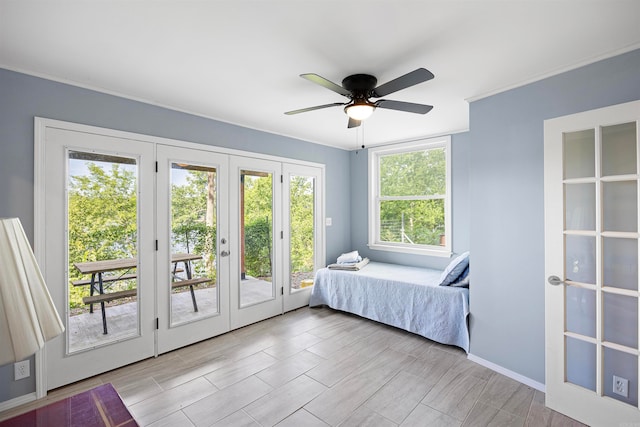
405,297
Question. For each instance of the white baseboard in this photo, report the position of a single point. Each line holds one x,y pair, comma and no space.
20,400
507,373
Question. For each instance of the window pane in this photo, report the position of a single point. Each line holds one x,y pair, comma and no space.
579,154
580,206
619,149
581,363
257,237
416,173
302,237
193,243
620,210
103,249
418,222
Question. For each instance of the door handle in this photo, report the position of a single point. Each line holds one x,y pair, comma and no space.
555,281
224,253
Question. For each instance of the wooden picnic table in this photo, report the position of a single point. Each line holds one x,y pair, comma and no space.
97,268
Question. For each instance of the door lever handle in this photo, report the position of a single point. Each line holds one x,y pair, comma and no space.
555,281
224,253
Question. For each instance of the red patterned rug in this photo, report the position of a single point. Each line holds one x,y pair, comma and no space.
100,406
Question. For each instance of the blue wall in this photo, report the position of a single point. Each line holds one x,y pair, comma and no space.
23,97
506,173
459,209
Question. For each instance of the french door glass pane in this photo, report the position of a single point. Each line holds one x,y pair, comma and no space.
193,272
581,311
256,225
620,314
623,365
620,210
619,149
579,154
581,363
580,259
620,263
102,249
580,206
301,230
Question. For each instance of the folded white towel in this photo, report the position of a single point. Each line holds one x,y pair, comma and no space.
350,266
348,257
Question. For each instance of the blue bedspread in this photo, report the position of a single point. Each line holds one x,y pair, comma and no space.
401,296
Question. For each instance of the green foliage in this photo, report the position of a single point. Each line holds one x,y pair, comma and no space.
412,187
258,220
102,220
301,210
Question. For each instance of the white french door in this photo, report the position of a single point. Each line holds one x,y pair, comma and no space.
148,245
592,177
94,194
256,241
192,278
303,236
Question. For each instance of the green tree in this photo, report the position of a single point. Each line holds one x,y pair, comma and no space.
102,219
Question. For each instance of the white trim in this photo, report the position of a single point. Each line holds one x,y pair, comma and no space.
557,71
507,373
17,401
42,123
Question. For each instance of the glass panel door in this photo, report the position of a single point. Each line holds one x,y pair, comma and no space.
256,244
591,199
192,229
303,234
98,268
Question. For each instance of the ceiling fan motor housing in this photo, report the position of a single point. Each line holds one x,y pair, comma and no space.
360,85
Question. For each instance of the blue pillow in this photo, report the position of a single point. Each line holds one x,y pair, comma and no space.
455,269
463,280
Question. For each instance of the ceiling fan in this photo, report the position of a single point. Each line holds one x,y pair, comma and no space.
359,88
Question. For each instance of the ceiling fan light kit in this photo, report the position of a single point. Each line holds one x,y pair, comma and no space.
360,110
359,88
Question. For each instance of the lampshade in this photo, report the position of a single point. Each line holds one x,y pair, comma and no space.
359,110
28,317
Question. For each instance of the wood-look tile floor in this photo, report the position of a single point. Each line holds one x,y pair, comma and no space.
318,367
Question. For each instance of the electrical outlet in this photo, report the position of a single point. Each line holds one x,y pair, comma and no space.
21,370
621,386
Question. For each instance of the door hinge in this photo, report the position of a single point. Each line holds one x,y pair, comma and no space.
156,244
282,234
281,179
282,291
157,323
156,167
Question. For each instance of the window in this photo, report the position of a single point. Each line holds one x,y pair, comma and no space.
410,197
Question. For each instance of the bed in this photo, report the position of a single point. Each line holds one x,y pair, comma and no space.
410,298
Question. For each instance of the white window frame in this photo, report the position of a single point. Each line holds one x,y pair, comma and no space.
375,154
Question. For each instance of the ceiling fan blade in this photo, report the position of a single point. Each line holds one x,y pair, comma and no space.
353,123
317,107
314,78
413,78
409,107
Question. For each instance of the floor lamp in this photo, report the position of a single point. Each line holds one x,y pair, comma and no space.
28,317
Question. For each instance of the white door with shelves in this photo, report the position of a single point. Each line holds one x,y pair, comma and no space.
591,264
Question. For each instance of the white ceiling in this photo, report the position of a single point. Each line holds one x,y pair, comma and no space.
238,61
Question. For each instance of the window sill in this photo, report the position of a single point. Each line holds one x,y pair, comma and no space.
443,252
